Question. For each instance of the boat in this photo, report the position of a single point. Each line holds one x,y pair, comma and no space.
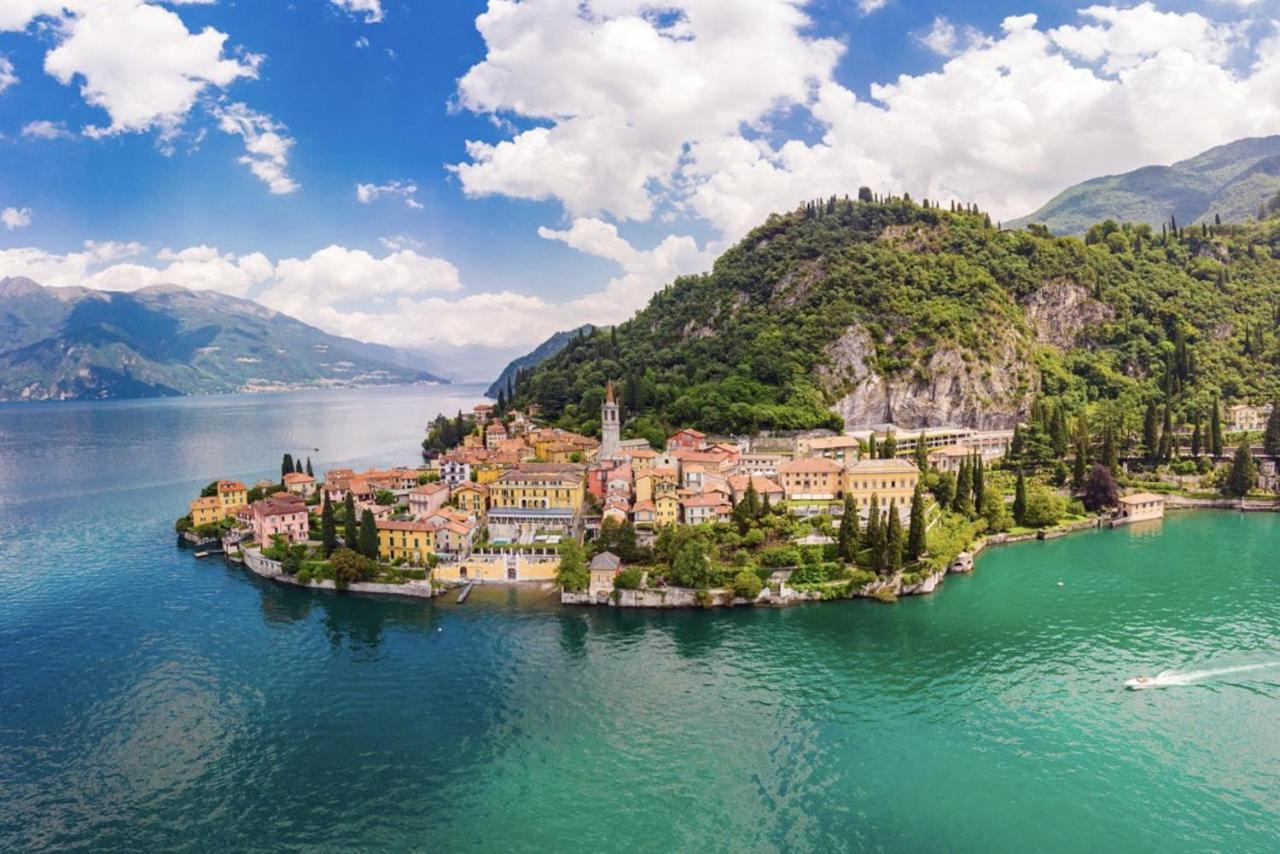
1140,682
201,554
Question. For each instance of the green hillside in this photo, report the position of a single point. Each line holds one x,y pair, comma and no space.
1225,183
845,313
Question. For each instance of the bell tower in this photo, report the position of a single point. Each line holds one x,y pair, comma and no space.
610,425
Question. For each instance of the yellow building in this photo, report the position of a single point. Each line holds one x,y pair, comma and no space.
812,479
412,541
206,511
536,497
666,508
486,473
471,498
499,568
889,480
647,482
231,493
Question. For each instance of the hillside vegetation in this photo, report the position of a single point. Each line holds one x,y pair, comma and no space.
1223,184
892,311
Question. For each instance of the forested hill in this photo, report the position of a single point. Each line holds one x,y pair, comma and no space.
1223,184
506,380
847,313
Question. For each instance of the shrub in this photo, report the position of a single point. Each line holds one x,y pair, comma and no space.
1043,508
304,576
780,556
753,539
349,566
747,584
628,579
809,573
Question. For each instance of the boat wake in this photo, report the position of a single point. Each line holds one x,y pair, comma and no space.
1177,678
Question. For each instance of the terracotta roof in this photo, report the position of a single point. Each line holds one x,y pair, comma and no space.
394,525
429,489
641,453
210,502
1141,498
298,477
894,466
810,465
471,486
709,499
230,486
762,484
281,504
689,431
643,505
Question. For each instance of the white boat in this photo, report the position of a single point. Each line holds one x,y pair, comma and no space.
1141,682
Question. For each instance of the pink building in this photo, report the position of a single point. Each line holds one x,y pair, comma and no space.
281,514
427,499
687,439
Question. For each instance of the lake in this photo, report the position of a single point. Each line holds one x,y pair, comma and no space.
150,700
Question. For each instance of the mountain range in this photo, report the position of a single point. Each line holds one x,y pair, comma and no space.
1227,183
71,343
535,357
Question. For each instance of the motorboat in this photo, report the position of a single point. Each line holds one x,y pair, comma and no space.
1140,682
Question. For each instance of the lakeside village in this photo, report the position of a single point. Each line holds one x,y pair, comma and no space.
703,521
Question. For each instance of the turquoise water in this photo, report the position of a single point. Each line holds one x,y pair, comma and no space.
149,700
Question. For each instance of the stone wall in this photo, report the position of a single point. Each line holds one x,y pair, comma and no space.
270,569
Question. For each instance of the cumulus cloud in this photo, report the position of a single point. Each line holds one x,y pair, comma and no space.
13,218
406,190
265,143
369,10
45,129
8,77
646,115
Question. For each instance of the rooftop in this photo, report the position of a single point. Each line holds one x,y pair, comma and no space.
810,465
894,466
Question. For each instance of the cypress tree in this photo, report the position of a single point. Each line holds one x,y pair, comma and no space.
310,471
1244,471
1078,472
1215,429
1110,450
917,536
368,535
1195,439
286,464
847,541
872,453
890,449
1058,432
874,536
1151,432
979,480
893,540
1020,498
297,466
350,528
922,453
1271,436
328,528
964,490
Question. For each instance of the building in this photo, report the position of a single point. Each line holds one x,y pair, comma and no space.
207,511
889,480
842,448
666,508
604,568
761,464
482,411
282,515
649,483
536,498
1139,507
687,439
763,485
1244,418
645,515
232,493
610,425
454,470
427,499
500,567
812,479
472,499
412,542
299,483
495,434
706,508
949,457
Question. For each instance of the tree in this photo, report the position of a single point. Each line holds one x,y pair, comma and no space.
873,537
847,538
979,480
351,524
368,535
349,566
1271,436
1078,472
1151,431
747,584
1043,508
310,471
286,465
1195,438
619,538
1100,489
890,449
995,513
297,466
328,528
963,502
1020,499
944,490
384,497
1111,450
1215,429
922,453
572,574
893,540
1244,471
872,452
1166,434
747,510
917,535
691,568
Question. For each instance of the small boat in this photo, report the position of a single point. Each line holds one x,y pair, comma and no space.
1141,682
201,554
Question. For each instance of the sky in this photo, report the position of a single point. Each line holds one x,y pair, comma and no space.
466,177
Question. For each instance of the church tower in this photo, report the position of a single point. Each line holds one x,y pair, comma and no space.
610,425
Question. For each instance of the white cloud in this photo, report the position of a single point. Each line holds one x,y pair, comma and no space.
366,193
45,129
362,42
643,115
869,6
8,77
13,218
266,145
945,39
370,10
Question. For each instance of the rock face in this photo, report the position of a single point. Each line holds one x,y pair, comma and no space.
1061,312
950,390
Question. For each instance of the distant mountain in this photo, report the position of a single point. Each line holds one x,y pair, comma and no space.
1231,181
540,354
75,343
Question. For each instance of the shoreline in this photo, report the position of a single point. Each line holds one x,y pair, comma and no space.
887,590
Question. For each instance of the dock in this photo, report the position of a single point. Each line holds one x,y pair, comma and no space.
466,591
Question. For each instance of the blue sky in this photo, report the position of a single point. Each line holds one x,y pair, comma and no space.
567,157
